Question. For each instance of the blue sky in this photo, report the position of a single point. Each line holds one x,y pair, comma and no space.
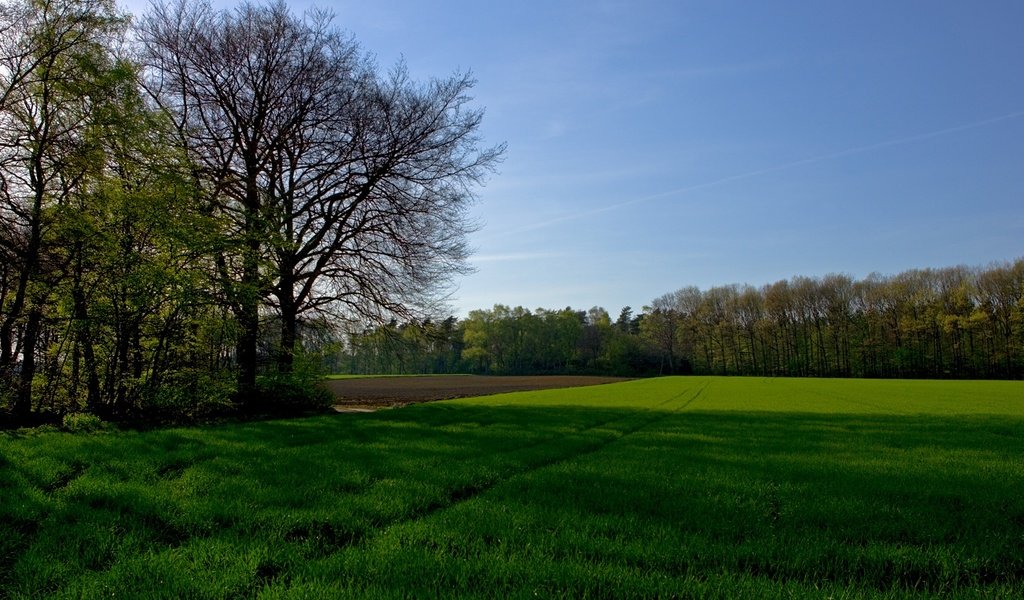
653,145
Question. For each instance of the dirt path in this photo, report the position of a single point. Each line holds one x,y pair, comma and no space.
361,395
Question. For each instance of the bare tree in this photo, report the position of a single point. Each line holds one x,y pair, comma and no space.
342,190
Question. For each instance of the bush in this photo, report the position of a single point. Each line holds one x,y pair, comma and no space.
82,423
280,393
298,391
191,395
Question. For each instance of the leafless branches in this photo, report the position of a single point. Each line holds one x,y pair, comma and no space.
344,189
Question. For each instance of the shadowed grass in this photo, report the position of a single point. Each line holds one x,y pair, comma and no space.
694,487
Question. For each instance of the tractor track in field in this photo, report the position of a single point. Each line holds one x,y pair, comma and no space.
653,413
465,493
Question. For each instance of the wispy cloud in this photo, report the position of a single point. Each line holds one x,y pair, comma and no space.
718,70
555,128
771,169
514,257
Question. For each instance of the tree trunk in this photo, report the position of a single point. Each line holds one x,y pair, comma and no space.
84,334
246,347
289,316
23,399
289,334
249,300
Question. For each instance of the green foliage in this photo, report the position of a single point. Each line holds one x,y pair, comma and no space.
82,423
297,391
191,395
956,322
140,256
684,487
278,393
115,269
953,323
501,340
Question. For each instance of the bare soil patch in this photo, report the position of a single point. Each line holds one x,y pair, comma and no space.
359,395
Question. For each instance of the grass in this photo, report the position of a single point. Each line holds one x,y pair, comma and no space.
675,487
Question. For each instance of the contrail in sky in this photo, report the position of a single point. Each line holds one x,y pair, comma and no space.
790,165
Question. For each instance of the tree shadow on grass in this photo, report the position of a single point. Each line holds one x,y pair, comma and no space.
790,496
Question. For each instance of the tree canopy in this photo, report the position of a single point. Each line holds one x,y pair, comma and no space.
183,199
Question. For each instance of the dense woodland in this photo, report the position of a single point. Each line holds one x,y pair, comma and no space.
956,322
182,196
203,210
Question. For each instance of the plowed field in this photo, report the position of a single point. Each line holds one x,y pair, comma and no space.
376,392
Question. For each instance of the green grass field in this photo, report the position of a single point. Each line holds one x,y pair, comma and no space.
675,487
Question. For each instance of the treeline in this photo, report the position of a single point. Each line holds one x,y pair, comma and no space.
190,202
503,341
957,322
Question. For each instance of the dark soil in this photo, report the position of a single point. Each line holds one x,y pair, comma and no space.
380,392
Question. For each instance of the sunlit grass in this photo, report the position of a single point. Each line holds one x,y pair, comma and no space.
689,487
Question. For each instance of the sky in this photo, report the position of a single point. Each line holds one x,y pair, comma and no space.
655,145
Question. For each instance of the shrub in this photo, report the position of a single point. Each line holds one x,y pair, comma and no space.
298,391
289,393
191,395
82,423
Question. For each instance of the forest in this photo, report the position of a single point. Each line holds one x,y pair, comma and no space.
955,322
183,194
